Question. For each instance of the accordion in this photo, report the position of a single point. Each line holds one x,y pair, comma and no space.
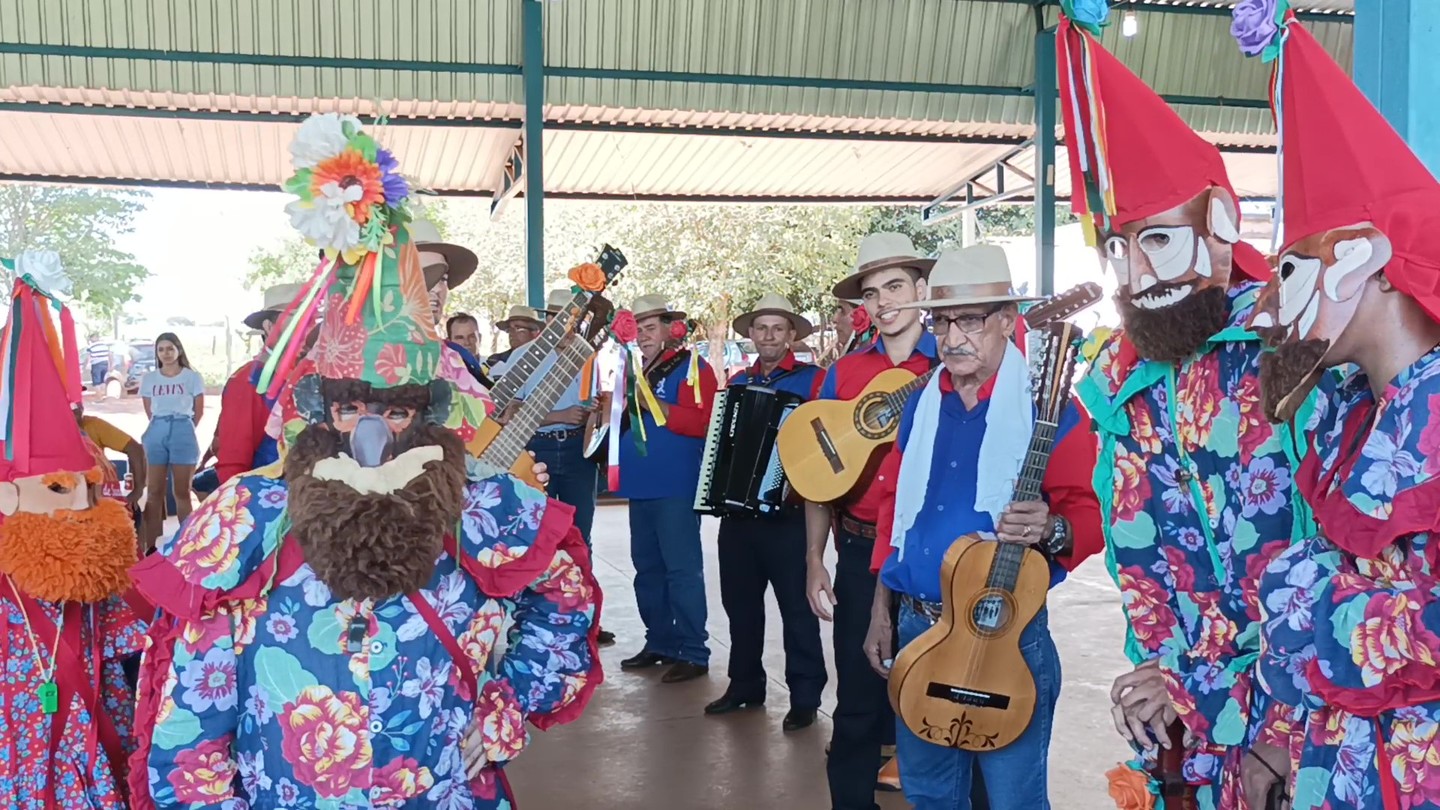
740,473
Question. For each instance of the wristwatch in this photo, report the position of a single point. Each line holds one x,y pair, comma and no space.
1059,543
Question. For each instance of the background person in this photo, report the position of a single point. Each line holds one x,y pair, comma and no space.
174,395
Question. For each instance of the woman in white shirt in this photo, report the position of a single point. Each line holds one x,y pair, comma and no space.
174,397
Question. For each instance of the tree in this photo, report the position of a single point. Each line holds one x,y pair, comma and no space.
82,225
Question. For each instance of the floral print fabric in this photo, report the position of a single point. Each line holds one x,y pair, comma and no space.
264,702
1352,615
1196,488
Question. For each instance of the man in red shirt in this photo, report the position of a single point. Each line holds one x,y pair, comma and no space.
240,440
889,273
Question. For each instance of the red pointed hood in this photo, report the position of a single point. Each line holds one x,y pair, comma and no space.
39,366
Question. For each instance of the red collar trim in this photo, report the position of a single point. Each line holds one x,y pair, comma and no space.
787,363
947,385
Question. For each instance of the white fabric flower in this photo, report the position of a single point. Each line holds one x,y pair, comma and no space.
321,137
45,270
326,221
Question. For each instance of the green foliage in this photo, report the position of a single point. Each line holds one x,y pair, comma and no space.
82,225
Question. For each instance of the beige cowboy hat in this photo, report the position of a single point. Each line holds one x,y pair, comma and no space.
774,304
979,274
274,302
557,300
881,251
441,259
647,306
522,313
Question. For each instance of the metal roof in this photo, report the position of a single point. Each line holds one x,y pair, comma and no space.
831,99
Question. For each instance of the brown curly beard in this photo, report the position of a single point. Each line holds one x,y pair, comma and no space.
1174,333
374,546
1288,374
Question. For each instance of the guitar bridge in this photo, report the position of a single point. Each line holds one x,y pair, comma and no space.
827,447
967,697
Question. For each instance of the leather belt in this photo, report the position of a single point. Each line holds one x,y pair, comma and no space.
855,527
561,435
930,610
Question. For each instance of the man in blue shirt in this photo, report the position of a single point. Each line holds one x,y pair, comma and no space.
758,551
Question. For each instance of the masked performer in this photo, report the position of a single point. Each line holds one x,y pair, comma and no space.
65,709
326,640
1194,484
1352,615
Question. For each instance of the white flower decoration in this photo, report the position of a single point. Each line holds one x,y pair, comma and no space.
325,222
321,137
45,270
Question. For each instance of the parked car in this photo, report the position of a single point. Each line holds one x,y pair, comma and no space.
739,355
140,362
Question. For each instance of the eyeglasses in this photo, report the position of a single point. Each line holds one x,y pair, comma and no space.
969,323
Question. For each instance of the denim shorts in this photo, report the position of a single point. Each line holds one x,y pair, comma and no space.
170,441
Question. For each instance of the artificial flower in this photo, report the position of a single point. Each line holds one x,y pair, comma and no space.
45,270
1255,23
588,277
1091,15
1130,788
351,171
325,221
395,185
860,320
623,326
321,137
678,330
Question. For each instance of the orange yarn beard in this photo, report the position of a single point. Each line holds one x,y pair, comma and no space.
82,556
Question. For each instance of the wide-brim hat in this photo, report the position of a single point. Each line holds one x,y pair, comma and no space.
275,301
979,274
522,313
648,306
557,300
460,262
775,304
882,251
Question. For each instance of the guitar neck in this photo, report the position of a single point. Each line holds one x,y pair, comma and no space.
898,397
533,355
1037,458
509,443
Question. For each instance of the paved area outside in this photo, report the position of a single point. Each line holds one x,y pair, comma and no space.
646,744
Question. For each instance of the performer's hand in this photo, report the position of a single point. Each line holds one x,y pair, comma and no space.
820,591
473,750
1256,779
503,417
574,415
1142,709
538,469
1023,522
880,643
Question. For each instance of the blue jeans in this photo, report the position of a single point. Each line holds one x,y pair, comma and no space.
670,577
938,778
572,476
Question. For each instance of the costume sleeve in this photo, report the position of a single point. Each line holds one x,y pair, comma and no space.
686,418
1069,488
885,482
237,439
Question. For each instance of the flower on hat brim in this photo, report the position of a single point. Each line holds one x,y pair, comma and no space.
1257,26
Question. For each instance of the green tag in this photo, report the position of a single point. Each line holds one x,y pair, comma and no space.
49,697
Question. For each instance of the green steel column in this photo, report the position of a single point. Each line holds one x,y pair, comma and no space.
533,68
1045,103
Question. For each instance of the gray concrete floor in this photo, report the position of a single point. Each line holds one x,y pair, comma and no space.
647,744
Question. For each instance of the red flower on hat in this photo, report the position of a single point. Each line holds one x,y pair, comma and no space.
623,326
678,330
859,319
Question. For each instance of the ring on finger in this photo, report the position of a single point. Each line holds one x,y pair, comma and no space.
1026,533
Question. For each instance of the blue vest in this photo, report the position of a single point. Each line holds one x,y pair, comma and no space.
670,467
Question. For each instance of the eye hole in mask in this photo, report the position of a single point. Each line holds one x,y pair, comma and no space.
1171,250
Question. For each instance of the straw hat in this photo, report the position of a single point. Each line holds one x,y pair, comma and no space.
557,300
276,299
522,313
453,263
774,304
647,306
881,251
979,274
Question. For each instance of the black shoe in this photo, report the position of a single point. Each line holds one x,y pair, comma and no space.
644,660
796,719
604,638
727,704
685,671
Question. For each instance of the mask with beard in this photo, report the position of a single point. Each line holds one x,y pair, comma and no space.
374,545
1176,332
71,555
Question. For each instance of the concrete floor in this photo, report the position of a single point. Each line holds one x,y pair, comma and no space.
647,744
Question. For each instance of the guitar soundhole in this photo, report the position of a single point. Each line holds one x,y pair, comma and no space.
875,418
990,613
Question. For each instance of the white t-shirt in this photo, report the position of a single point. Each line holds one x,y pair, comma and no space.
172,396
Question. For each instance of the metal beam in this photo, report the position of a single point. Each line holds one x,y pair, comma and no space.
533,65
1046,99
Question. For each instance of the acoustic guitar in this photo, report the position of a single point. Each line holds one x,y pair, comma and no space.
963,683
503,445
827,444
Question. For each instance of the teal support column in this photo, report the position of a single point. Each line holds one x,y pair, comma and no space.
1398,68
533,72
1045,110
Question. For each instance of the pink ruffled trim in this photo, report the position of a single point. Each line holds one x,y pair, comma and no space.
1413,510
510,578
148,695
574,545
1396,691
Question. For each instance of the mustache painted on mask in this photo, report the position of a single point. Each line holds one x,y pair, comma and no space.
1176,332
1288,374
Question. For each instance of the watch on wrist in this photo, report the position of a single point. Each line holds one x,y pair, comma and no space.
1059,541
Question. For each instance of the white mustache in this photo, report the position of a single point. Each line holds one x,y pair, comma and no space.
957,353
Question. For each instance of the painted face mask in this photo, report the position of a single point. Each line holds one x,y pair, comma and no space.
1308,304
1173,269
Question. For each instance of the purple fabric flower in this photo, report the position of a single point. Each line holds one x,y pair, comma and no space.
396,189
1254,25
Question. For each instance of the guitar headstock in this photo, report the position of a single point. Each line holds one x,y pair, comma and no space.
1054,354
1062,306
611,261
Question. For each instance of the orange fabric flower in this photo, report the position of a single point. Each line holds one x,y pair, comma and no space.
350,168
588,277
1130,788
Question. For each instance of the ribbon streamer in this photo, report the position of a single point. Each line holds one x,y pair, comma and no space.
284,348
692,376
642,388
617,413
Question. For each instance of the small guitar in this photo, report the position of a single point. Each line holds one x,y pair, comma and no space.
963,683
1169,771
597,427
826,445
